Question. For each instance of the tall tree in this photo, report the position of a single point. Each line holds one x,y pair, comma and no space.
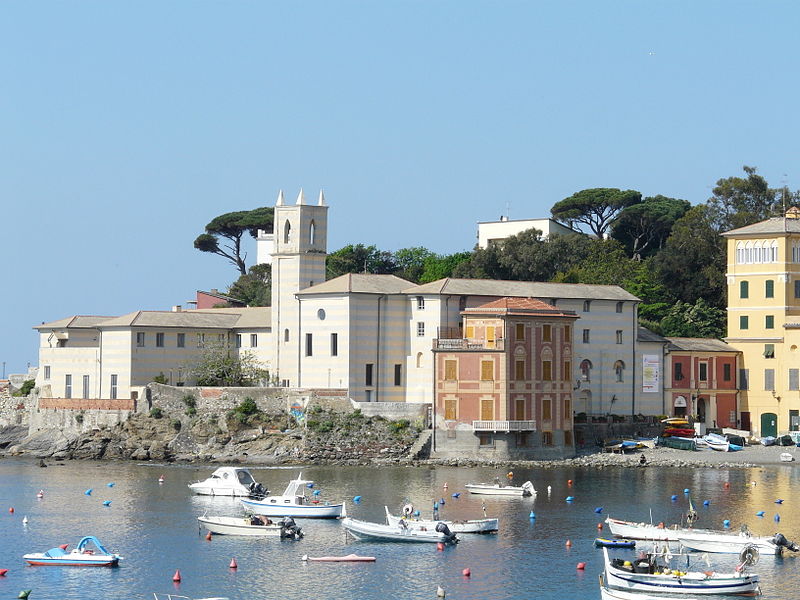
596,208
740,201
694,320
410,262
439,267
255,288
232,227
643,228
359,258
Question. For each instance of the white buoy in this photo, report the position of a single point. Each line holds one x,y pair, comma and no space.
25,520
549,490
440,592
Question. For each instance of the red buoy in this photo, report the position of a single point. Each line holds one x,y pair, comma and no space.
177,576
3,572
64,546
440,546
568,544
581,566
233,564
599,525
466,572
727,485
11,510
208,536
569,481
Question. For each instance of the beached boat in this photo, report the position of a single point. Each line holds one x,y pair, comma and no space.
230,481
88,553
294,503
468,526
255,525
734,543
678,442
498,489
365,530
786,457
721,443
654,574
347,558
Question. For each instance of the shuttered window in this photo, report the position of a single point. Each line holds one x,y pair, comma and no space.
794,379
487,370
769,379
450,370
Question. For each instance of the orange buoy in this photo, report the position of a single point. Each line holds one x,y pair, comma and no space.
208,536
600,526
569,481
727,485
440,546
11,510
581,566
177,576
466,572
568,544
233,564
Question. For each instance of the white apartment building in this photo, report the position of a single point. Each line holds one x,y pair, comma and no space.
496,231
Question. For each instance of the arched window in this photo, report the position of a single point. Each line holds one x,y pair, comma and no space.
419,360
586,370
311,233
748,253
744,289
287,232
757,254
619,370
773,255
740,253
285,335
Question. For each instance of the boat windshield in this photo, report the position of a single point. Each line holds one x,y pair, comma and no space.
245,478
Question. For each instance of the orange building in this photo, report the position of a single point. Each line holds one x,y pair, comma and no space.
504,389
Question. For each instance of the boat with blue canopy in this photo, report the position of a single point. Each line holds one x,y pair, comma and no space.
88,553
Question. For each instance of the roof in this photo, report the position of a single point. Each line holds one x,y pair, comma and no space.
645,335
699,345
525,289
359,283
225,297
773,226
74,322
211,318
519,306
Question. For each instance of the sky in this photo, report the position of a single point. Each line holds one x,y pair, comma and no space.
125,127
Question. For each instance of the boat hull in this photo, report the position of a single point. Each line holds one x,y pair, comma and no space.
728,544
641,531
363,530
348,558
495,489
470,526
306,511
68,560
240,526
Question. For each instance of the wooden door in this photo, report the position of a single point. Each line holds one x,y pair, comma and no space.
519,410
450,406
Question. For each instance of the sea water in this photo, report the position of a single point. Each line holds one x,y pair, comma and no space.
154,527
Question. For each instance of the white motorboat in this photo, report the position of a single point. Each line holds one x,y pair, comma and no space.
734,543
254,525
653,574
498,489
469,526
230,481
365,530
647,531
607,593
178,597
294,503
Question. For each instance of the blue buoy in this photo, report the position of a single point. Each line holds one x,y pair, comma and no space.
726,523
674,498
357,499
777,517
316,492
706,502
779,501
686,490
309,485
598,510
106,502
457,494
416,513
110,484
441,502
532,515
88,492
570,498
760,513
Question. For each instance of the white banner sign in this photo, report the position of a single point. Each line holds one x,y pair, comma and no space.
651,373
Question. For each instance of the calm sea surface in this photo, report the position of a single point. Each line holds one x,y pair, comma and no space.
155,528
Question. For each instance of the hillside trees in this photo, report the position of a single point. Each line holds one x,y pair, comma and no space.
596,208
644,228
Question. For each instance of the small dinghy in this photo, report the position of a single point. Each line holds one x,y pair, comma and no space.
83,555
469,526
253,525
786,457
607,543
348,558
365,530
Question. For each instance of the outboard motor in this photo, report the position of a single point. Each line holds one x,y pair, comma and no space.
291,530
781,541
257,490
444,529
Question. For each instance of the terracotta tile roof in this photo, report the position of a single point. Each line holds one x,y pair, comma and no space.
513,305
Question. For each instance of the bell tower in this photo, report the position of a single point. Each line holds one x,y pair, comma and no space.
298,262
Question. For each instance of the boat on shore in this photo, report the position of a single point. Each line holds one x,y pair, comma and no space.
468,526
88,553
230,481
366,530
294,503
498,489
255,525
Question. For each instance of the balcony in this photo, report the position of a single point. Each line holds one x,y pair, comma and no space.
460,344
495,426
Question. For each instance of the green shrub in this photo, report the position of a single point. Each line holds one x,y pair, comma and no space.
176,424
399,425
79,417
247,407
25,389
320,426
191,405
160,378
156,412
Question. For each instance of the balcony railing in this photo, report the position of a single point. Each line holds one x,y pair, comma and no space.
504,426
462,344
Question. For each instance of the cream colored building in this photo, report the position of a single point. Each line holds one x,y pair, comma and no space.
496,231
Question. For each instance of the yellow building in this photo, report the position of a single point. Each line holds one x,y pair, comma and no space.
763,276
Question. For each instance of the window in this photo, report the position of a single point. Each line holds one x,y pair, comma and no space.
201,340
321,314
678,367
744,289
744,379
619,336
769,288
547,370
309,344
181,340
703,371
797,288
368,378
519,370
221,338
487,370
254,340
586,370
420,303
546,333
619,307
567,333
619,370
420,329
450,409
587,305
567,408
769,350
469,332
419,360
585,336
238,340
769,379
567,374
794,379
287,232
519,332
547,409
67,386
744,322
726,372
159,340
334,344
485,439
285,335
547,438
311,233
47,371
140,339
398,374
490,336
450,370
86,386
114,380
522,439
568,438
769,322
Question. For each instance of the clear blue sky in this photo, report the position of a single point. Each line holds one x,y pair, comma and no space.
126,126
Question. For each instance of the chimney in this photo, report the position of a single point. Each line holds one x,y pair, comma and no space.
177,308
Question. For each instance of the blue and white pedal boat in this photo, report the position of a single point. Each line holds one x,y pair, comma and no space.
88,553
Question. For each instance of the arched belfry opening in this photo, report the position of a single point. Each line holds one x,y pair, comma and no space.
287,232
311,233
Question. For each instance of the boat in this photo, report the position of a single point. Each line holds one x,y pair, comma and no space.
607,593
498,489
348,558
721,443
734,543
607,543
646,531
678,442
294,503
88,553
468,526
177,597
786,457
255,525
653,573
230,481
365,530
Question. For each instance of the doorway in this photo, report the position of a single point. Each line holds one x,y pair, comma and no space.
769,424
